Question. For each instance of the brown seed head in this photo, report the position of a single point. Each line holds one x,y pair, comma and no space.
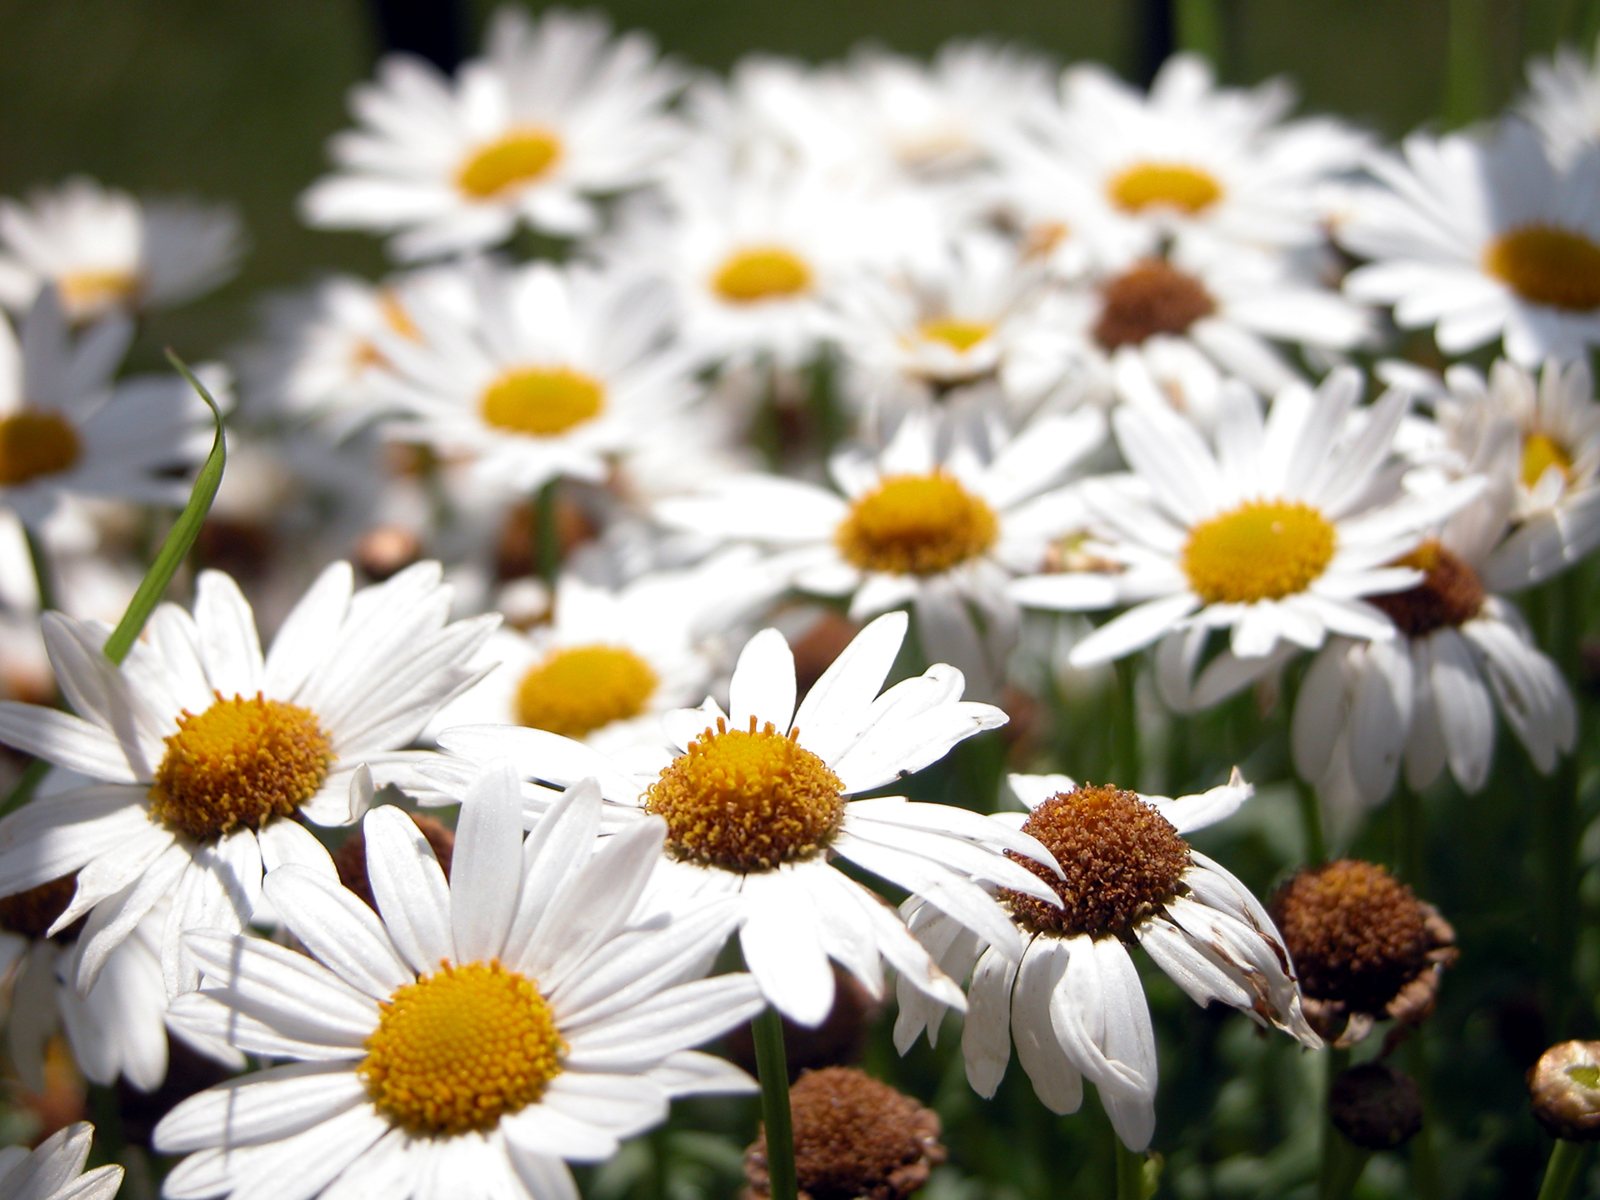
855,1138
31,913
1122,860
1450,594
1150,297
1375,1106
1564,1088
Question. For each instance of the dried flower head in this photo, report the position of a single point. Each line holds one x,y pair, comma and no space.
1564,1089
1375,1106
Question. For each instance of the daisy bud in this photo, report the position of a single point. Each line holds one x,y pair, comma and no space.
1375,1106
351,857
1564,1089
854,1136
1364,946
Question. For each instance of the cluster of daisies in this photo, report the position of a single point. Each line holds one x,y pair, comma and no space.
706,468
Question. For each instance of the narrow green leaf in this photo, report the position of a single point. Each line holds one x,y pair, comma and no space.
173,551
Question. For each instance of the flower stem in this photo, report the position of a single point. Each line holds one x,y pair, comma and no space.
772,1065
1130,1171
1311,823
1334,1168
1566,1161
546,531
1125,726
44,576
1466,61
1200,28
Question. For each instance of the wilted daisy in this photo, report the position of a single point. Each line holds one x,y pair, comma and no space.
936,528
554,113
1563,102
1073,1003
53,1170
104,250
1276,535
546,372
67,429
1482,237
202,750
472,1034
757,805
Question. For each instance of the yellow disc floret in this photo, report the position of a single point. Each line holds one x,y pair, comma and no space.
1262,550
34,444
457,1050
519,157
241,762
579,689
1546,265
960,336
86,292
761,273
1540,452
747,801
916,525
542,401
1167,184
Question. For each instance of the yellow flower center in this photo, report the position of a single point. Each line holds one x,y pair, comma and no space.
85,292
542,401
241,762
1545,265
1262,550
1540,452
457,1050
916,525
579,689
960,336
519,157
761,273
747,801
1168,184
34,444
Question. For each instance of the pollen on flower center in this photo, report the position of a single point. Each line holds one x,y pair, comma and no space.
746,800
34,444
1148,298
85,292
542,401
1546,265
241,762
518,157
1170,185
1540,452
960,336
761,273
579,689
916,525
1262,550
1121,857
459,1049
1450,593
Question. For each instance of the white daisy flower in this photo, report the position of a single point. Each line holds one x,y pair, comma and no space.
757,804
913,525
53,1170
605,668
549,371
106,251
200,748
1563,103
1276,535
1219,166
554,113
1073,1003
471,1036
67,429
1483,237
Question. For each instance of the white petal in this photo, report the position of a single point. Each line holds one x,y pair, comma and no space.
763,684
265,1106
486,867
342,932
409,888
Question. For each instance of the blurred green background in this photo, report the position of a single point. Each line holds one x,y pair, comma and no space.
234,99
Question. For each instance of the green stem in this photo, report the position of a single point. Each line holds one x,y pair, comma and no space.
1342,1164
546,531
109,1143
1130,1171
1311,823
1425,1183
44,576
1125,726
1332,1164
1200,28
1466,63
1410,837
772,1066
1566,1161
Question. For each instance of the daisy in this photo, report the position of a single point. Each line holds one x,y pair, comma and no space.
53,1170
200,748
1073,1003
1563,103
1276,535
547,371
757,805
1483,237
104,251
554,113
940,530
473,1033
66,429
